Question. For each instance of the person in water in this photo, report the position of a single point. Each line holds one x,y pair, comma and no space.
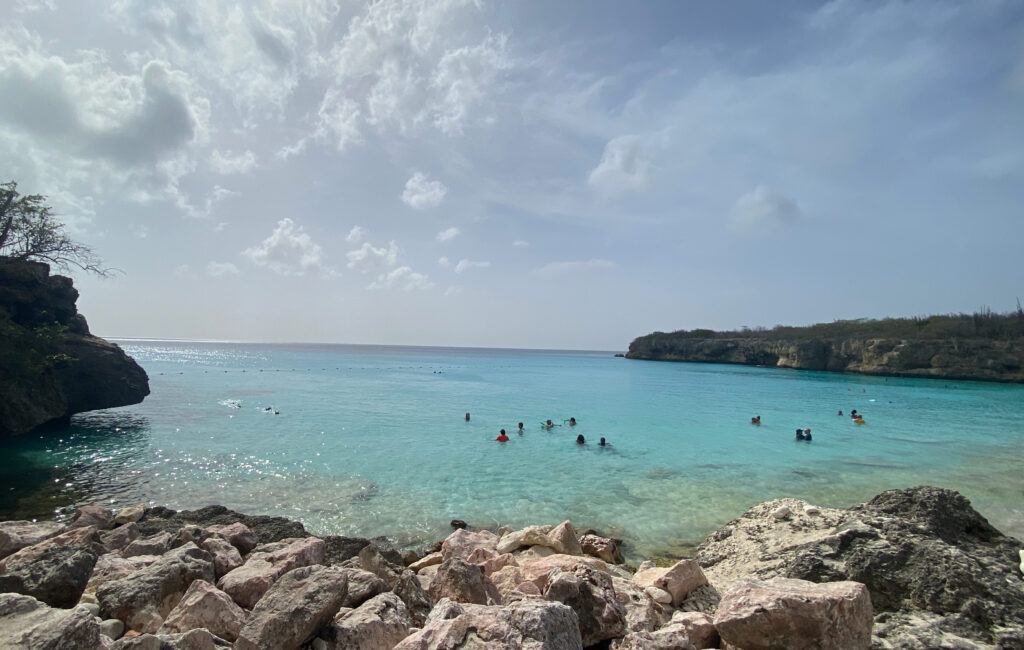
549,424
603,443
572,422
502,437
520,431
807,435
467,417
755,420
840,412
580,440
853,414
799,434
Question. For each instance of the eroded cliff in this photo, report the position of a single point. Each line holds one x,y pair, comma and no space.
51,367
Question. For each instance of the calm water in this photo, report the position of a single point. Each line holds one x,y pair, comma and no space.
372,440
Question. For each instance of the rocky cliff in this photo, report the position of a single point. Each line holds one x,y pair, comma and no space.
981,359
51,367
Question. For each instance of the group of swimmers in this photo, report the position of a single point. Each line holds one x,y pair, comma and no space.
548,424
805,434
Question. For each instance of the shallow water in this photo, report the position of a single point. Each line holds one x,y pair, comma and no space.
372,440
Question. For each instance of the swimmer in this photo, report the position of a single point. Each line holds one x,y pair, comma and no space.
603,443
467,417
755,420
853,414
548,424
807,435
572,422
520,431
799,434
502,437
580,440
840,412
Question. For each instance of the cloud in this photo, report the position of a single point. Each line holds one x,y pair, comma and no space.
444,262
453,290
367,259
220,269
553,268
289,250
625,166
468,264
421,193
520,243
763,209
184,271
355,235
404,278
447,234
228,163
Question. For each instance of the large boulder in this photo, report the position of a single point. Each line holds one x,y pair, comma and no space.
76,537
198,639
564,539
796,614
120,537
400,580
362,586
265,528
602,548
247,584
293,610
57,576
237,534
130,514
226,557
527,624
144,598
678,580
378,624
111,566
205,606
27,623
463,582
538,570
591,595
643,613
529,536
96,516
463,542
16,535
153,545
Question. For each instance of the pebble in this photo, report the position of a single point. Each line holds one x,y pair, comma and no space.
812,510
781,512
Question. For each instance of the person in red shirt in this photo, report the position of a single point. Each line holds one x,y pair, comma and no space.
502,437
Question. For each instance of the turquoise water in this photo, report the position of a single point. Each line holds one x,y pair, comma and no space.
372,440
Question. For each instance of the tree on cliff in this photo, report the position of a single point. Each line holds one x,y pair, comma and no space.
29,231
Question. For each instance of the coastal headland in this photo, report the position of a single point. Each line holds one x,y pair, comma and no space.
984,347
913,568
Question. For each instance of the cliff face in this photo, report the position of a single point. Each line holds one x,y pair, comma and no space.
981,359
51,367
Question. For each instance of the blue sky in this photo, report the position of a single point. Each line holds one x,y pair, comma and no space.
530,174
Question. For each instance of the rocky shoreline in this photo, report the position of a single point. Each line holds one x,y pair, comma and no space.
914,568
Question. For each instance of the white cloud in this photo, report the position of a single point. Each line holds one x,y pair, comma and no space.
355,235
229,163
444,262
220,226
421,193
184,271
220,269
763,209
404,278
449,233
289,250
367,259
469,264
453,290
520,243
554,268
625,165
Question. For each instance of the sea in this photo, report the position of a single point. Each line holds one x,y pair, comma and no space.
373,440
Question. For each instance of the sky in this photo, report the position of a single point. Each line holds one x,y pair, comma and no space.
521,174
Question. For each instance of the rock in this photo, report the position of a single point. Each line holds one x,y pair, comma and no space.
591,595
225,556
247,584
237,534
1022,561
528,624
463,582
144,598
341,548
120,537
293,610
416,599
199,639
92,608
378,624
649,576
429,560
643,613
507,579
563,539
538,570
154,545
16,535
529,536
96,516
27,623
205,606
76,537
130,514
600,547
524,555
362,586
681,579
698,627
57,576
458,523
781,512
371,559
112,628
187,534
812,511
266,529
659,596
112,566
670,637
462,542
781,612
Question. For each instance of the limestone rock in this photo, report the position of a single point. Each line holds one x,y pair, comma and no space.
362,586
591,595
265,529
112,628
154,545
811,510
507,579
198,639
16,535
143,598
120,537
226,557
378,624
781,512
130,514
97,516
237,534
537,571
27,623
643,614
698,627
563,539
529,536
76,537
429,560
190,533
57,576
681,579
462,542
203,605
463,582
247,584
112,566
659,596
293,610
670,637
400,580
528,624
782,612
600,547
